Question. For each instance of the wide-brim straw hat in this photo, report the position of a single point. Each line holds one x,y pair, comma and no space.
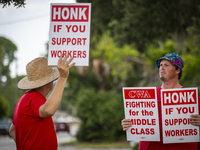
38,74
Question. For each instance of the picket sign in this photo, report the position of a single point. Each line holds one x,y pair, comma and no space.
177,107
69,32
140,105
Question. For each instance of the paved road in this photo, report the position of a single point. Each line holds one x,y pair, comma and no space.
7,143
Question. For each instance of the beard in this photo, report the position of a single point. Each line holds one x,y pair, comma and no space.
162,78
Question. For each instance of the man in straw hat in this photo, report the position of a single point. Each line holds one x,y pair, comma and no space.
170,71
32,126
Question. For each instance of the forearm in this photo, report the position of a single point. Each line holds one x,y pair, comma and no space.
12,131
53,101
13,135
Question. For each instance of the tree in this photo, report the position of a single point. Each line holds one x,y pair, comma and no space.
7,50
13,94
141,22
101,113
4,107
16,3
7,56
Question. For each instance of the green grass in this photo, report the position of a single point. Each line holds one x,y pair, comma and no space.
121,144
70,143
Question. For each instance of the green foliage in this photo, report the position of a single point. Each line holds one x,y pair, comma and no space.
154,51
8,86
121,60
4,107
136,146
13,94
16,3
101,114
141,22
104,12
75,83
7,50
147,20
191,74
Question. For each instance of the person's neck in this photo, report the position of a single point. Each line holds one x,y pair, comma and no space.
170,85
42,91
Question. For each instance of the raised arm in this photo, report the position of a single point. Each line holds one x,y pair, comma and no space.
49,108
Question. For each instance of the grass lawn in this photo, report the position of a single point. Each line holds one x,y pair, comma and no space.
120,144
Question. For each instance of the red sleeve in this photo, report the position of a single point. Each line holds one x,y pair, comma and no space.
37,101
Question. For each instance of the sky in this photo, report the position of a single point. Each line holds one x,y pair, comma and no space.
28,29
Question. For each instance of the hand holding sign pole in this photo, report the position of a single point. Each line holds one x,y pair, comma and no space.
69,32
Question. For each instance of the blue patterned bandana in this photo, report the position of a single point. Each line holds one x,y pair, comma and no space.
175,59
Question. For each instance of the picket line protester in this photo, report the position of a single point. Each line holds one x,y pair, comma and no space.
140,105
69,32
177,107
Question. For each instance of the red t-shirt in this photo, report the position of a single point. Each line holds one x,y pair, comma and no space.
151,145
31,131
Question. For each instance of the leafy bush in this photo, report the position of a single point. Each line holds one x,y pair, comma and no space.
136,146
101,114
4,107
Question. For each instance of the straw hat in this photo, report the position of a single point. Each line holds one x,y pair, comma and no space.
38,74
